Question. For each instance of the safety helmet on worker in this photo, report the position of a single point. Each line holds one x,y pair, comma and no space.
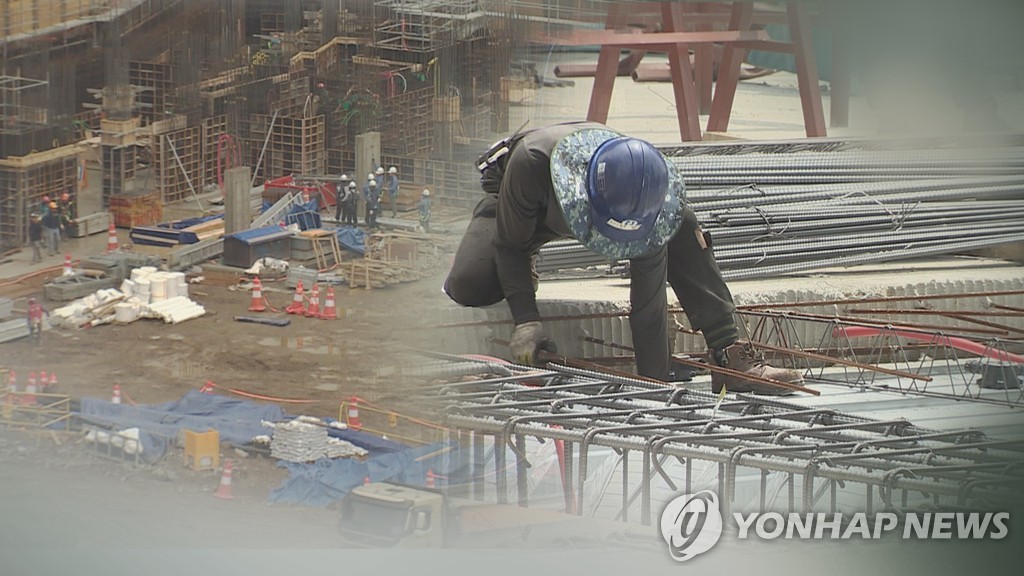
344,178
373,183
351,184
626,183
393,170
619,195
380,170
426,192
370,177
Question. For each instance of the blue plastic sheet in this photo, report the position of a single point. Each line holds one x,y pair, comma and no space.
237,421
325,481
351,238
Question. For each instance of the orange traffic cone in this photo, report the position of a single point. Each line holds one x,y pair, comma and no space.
52,386
44,381
314,302
12,385
353,414
68,270
116,397
330,311
30,390
224,488
207,387
257,297
430,483
298,305
111,237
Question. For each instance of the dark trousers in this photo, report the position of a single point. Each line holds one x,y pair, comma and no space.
689,267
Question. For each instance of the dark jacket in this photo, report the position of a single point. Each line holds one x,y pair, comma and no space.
35,231
51,220
529,215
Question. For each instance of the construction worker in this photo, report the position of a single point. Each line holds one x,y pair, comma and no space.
621,198
66,208
339,203
51,229
371,194
35,318
391,185
424,208
35,237
351,199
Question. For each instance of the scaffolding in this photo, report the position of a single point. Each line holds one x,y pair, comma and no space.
427,25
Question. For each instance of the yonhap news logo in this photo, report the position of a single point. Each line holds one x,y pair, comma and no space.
692,524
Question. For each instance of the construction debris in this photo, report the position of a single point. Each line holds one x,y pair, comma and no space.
396,256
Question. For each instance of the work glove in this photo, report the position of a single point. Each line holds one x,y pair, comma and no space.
526,341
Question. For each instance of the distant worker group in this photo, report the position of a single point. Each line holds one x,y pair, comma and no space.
50,224
378,183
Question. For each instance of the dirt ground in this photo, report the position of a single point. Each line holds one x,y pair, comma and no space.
317,363
311,359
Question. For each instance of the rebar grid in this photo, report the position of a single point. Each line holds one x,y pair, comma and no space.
820,449
913,371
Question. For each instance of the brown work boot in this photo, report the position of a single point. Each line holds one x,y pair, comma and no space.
742,358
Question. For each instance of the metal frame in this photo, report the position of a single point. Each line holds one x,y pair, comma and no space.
818,450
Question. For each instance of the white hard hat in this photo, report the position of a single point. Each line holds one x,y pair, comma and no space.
426,192
370,176
392,170
373,183
380,170
344,176
352,184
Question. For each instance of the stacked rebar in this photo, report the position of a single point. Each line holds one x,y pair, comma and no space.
774,210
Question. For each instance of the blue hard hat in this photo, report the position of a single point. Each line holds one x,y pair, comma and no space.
626,183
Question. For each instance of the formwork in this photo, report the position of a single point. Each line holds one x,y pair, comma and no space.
296,146
178,163
30,16
409,130
25,180
220,152
156,88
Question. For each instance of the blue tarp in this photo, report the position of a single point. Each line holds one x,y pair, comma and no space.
351,238
189,222
305,219
256,234
325,481
237,421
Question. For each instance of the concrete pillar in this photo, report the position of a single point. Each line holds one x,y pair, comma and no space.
237,207
367,151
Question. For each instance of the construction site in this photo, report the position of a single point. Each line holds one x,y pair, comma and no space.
227,359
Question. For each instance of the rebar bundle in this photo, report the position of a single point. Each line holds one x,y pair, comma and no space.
794,209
